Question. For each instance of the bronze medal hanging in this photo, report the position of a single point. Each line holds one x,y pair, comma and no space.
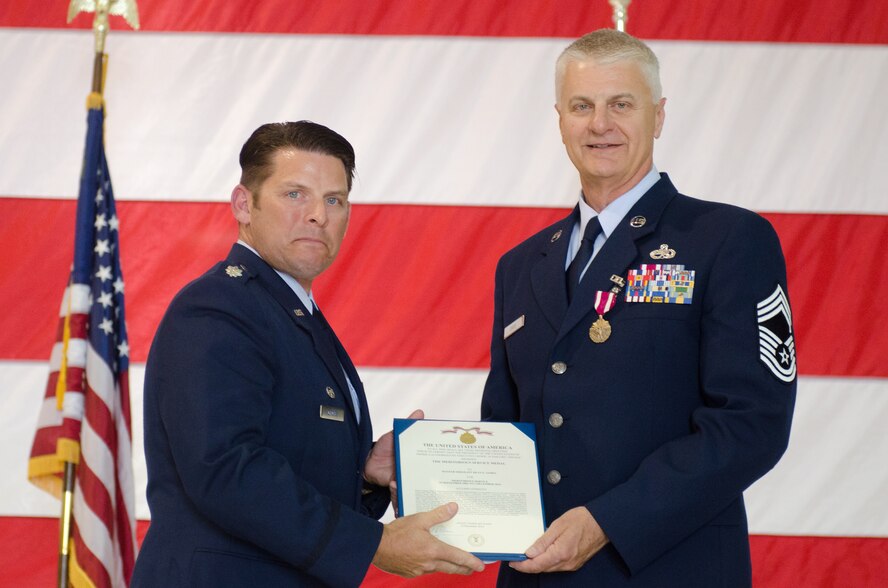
600,330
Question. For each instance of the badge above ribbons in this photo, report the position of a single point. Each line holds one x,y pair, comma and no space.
776,341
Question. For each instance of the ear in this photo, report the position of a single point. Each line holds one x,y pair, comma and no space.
241,204
560,122
660,117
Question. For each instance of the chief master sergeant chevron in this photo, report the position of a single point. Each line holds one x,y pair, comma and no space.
653,351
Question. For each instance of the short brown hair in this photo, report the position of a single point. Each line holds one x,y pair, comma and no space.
304,135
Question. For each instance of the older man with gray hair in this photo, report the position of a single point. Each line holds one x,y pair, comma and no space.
648,336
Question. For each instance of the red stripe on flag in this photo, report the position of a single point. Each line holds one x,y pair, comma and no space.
96,496
45,441
819,562
100,418
834,273
413,286
77,326
124,537
30,546
839,21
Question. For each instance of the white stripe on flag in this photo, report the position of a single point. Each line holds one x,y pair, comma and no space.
76,354
101,379
482,134
94,533
832,480
97,455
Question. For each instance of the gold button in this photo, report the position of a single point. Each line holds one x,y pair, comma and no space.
559,367
554,476
556,420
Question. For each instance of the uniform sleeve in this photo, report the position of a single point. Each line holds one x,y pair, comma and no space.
211,375
742,426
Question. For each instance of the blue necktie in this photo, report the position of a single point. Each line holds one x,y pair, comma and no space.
587,246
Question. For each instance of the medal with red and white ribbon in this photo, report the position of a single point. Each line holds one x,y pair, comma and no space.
601,329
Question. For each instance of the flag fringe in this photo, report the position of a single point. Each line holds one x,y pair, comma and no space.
77,577
44,471
94,101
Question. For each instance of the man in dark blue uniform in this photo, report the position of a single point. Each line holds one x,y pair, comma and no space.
261,470
648,336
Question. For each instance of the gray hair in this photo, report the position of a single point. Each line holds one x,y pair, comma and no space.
606,46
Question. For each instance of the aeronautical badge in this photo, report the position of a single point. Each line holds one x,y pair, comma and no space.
234,271
664,252
776,343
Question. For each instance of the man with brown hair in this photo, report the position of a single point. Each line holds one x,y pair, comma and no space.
261,467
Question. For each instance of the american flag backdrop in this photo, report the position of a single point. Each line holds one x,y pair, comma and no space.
85,414
773,105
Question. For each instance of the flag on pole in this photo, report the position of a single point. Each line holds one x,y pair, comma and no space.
85,415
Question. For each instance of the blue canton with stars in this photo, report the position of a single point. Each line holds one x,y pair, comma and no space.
97,251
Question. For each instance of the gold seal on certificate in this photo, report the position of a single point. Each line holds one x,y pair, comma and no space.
489,469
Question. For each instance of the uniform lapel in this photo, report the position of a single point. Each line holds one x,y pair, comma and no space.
324,342
327,338
618,252
547,275
346,362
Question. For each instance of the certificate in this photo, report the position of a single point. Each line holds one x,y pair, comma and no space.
489,469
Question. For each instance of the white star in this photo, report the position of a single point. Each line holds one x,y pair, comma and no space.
123,349
99,196
784,356
104,272
100,221
102,247
118,285
107,326
105,299
113,223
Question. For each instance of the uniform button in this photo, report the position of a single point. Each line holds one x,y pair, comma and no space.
554,476
556,420
559,367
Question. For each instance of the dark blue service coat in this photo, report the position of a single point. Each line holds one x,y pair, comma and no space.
247,484
660,428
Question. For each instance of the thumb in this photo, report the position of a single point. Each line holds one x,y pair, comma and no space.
540,545
439,515
417,414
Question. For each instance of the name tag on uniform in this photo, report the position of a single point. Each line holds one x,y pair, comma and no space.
332,413
513,326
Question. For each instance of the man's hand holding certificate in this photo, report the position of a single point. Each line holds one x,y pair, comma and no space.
488,468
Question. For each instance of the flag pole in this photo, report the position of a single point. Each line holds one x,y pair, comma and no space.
101,8
621,8
65,526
